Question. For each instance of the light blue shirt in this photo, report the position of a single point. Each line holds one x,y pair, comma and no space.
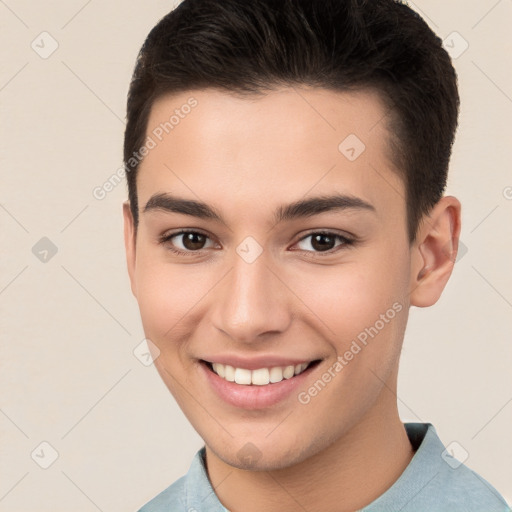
433,481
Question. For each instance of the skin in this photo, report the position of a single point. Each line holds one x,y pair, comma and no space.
245,157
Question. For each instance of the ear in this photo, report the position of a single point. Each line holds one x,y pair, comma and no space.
129,244
434,251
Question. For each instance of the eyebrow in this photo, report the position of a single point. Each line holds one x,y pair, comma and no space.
298,209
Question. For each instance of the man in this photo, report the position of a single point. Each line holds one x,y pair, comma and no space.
286,162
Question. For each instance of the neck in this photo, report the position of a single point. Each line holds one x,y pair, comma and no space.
351,473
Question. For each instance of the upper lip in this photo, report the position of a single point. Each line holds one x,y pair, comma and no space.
256,362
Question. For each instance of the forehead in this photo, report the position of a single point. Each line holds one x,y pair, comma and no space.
258,148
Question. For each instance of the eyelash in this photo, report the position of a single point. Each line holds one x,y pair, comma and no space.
346,242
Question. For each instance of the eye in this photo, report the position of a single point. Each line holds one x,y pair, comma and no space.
186,242
324,242
190,242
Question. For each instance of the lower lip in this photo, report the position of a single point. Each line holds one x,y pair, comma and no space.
252,396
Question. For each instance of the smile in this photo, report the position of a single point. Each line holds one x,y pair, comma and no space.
259,377
258,387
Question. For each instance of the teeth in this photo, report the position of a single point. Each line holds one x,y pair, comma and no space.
242,376
276,374
259,377
289,372
229,372
219,369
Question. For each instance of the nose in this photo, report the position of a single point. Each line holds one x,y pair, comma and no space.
251,303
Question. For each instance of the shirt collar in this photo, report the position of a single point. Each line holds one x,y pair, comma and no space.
425,465
199,494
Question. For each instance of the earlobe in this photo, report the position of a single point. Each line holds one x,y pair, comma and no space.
129,244
434,252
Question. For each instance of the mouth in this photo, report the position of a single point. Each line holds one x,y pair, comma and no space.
259,387
260,376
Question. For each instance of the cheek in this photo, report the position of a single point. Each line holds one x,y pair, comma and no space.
361,310
362,314
167,294
169,299
346,299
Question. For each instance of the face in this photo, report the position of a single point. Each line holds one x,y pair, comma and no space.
273,250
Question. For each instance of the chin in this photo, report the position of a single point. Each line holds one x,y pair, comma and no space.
256,460
265,454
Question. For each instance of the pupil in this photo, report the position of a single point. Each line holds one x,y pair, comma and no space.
318,245
193,241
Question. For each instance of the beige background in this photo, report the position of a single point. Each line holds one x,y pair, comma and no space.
69,325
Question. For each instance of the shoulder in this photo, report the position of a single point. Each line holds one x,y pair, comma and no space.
173,496
461,488
453,485
435,481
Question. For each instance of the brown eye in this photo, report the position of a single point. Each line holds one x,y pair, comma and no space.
193,241
186,242
323,242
